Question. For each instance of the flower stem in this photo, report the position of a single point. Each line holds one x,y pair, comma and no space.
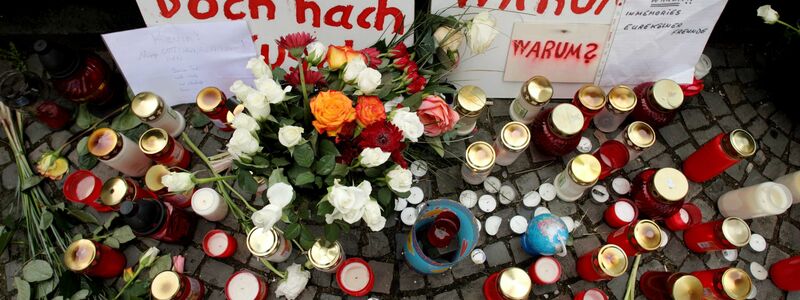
306,103
272,268
213,179
124,287
796,29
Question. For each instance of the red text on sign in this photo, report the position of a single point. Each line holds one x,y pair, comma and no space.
555,50
541,7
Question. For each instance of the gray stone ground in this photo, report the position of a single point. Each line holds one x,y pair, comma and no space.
732,99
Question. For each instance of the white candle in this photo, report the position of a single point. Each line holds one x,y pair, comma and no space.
765,199
207,203
487,203
594,294
684,216
493,225
547,269
791,181
624,211
217,244
243,286
468,198
355,277
478,256
85,188
518,224
128,159
415,195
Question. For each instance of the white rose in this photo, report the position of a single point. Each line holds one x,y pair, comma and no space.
448,38
272,90
399,179
352,69
148,257
241,90
267,216
368,80
243,144
373,157
409,123
280,194
392,104
294,284
290,136
348,201
246,122
178,181
481,32
316,53
259,67
257,106
373,217
769,15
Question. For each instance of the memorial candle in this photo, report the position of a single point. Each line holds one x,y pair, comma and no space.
689,215
670,286
170,285
613,156
512,141
784,274
534,94
164,149
638,136
84,187
591,294
470,102
602,263
557,131
269,244
212,102
637,238
728,233
509,284
546,270
152,180
219,244
579,175
478,162
590,99
326,256
659,193
760,200
719,154
791,181
118,152
355,277
207,203
244,285
118,189
94,259
621,213
725,283
658,102
621,101
152,110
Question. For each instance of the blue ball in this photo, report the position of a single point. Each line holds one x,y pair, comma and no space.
546,235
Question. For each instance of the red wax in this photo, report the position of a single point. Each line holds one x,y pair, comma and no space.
587,269
623,238
676,221
108,262
708,161
706,237
490,290
218,114
712,283
90,82
549,142
177,227
613,156
591,294
648,204
173,155
84,187
614,219
53,115
647,111
784,274
445,228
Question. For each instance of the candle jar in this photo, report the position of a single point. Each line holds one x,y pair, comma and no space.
443,230
728,233
157,220
152,110
621,101
535,93
84,187
603,263
269,244
659,194
637,238
546,270
509,284
725,283
118,189
94,259
638,136
590,99
118,152
591,294
326,256
170,285
719,154
784,274
244,285
760,200
219,244
213,103
613,156
470,102
791,181
688,216
512,141
579,175
478,162
164,149
207,203
355,277
80,77
669,286
621,213
53,115
556,131
153,182
659,102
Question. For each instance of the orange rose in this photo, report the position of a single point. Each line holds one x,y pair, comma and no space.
332,111
340,55
369,109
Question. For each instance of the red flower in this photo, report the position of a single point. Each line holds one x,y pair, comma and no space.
411,68
382,135
399,50
312,77
348,151
371,57
402,62
295,43
417,85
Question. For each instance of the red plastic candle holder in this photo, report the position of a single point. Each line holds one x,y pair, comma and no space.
211,244
351,275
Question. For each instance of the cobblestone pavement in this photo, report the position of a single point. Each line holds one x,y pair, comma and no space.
732,99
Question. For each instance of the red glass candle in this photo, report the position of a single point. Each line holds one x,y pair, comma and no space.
719,154
659,103
84,187
82,78
219,244
118,189
725,283
659,193
53,115
94,259
157,220
510,283
591,294
784,274
613,156
688,216
170,285
355,277
244,285
637,137
590,99
557,131
444,229
621,213
159,146
152,180
213,103
669,286
546,270
728,233
603,263
637,238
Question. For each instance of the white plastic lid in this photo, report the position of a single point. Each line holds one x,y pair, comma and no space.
507,194
478,256
531,199
487,203
409,215
400,204
599,193
468,198
493,225
418,168
757,242
621,186
416,195
758,271
518,224
585,145
547,191
492,184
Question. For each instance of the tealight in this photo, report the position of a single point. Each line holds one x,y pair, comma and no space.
487,203
507,194
493,225
416,195
757,242
418,168
518,224
478,256
492,185
400,204
219,244
621,186
408,215
468,198
547,191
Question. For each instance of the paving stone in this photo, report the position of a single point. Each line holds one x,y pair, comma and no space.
324,296
383,283
447,295
767,290
473,290
523,163
192,258
562,208
675,251
216,294
745,112
633,165
746,75
499,108
684,151
466,268
759,158
585,244
726,75
775,141
714,260
715,104
748,254
36,131
764,226
568,268
440,280
704,135
497,254
414,298
308,293
790,236
400,244
537,156
794,154
733,93
449,180
527,183
692,264
544,289
215,273
323,279
715,189
5,155
753,178
693,117
775,168
547,174
242,254
516,250
652,265
757,128
455,149
774,255
10,177
349,242
765,110
782,121
735,57
594,211
409,279
377,245
654,150
58,138
203,227
709,212
662,161
619,285
11,269
729,123
737,170
603,230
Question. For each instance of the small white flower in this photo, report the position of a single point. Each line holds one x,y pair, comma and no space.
148,257
290,136
448,38
178,181
272,90
246,122
242,144
373,217
220,165
769,15
259,67
352,69
280,194
481,32
408,123
316,53
267,216
399,179
294,284
373,157
257,106
368,80
241,90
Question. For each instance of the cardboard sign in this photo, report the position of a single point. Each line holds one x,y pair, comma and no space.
338,22
177,61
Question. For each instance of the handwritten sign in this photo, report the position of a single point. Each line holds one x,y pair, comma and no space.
356,23
176,61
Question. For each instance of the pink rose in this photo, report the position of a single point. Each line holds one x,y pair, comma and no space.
437,116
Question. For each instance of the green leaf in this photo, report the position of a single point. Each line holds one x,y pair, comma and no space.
277,176
278,74
280,162
123,234
82,147
125,121
340,170
304,178
292,231
436,145
332,232
111,242
384,196
82,216
137,290
199,119
23,289
46,287
30,182
87,162
303,155
162,263
85,118
324,208
306,238
46,220
326,164
246,182
373,172
327,147
37,270
80,295
109,220
386,85
413,101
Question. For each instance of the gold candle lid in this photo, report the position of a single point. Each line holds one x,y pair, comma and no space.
591,96
262,242
736,231
103,141
471,99
166,285
668,94
584,169
647,234
567,119
325,257
640,135
736,283
687,287
670,184
622,98
153,141
514,283
209,98
480,156
152,179
114,191
739,143
515,136
147,106
613,260
537,91
80,255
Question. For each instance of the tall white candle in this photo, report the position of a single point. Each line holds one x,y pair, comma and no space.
791,181
118,152
765,199
208,204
